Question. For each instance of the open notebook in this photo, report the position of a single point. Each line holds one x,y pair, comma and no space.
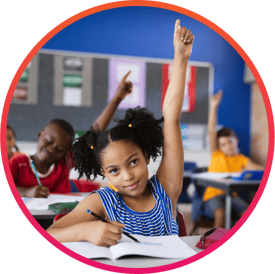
160,246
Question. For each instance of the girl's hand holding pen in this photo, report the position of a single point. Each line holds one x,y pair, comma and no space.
38,192
101,233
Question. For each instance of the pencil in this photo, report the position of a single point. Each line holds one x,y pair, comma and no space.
103,220
36,175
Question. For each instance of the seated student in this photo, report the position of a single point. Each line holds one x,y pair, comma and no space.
224,158
53,159
141,205
11,142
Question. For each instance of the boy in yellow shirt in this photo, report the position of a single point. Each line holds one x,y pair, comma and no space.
224,158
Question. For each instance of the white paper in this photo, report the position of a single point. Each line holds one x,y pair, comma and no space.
134,76
216,175
72,96
43,203
161,247
133,97
89,250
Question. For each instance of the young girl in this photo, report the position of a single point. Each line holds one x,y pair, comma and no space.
53,159
140,206
11,142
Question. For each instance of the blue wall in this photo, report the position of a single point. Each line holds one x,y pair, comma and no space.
148,32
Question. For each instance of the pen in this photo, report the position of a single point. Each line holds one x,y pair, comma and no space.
103,220
36,175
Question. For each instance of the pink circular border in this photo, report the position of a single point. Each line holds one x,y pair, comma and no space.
156,5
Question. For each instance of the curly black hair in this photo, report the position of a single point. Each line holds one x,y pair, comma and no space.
226,132
65,126
138,127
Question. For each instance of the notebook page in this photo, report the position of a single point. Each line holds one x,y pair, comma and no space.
89,250
160,246
216,175
43,203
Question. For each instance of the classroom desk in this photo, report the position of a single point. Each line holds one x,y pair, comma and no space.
46,214
202,179
144,262
187,174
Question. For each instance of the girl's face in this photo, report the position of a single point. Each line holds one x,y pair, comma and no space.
10,138
125,167
53,143
228,145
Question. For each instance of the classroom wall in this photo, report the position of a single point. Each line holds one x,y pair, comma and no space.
148,32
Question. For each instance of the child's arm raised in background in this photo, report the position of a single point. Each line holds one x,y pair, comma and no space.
105,117
170,172
212,121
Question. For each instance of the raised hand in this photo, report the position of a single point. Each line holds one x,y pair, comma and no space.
124,88
183,41
216,99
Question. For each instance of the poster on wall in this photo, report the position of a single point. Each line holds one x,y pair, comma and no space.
189,103
21,90
117,69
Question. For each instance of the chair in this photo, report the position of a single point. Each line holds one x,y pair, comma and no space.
73,187
184,198
190,166
201,216
182,226
82,185
58,216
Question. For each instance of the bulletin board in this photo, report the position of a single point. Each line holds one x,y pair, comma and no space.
48,106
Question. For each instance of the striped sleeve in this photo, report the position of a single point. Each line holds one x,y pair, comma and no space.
109,201
161,192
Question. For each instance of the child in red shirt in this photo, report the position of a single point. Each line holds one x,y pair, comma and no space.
53,159
11,142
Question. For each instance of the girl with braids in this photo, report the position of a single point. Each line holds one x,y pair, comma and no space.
139,206
53,158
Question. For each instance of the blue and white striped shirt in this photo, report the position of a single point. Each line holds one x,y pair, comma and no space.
157,222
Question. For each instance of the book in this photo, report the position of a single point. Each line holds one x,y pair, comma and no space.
216,175
171,247
43,203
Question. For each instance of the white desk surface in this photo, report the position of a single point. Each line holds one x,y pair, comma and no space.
38,207
145,262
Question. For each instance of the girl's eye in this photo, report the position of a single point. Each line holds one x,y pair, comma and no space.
134,162
113,171
49,141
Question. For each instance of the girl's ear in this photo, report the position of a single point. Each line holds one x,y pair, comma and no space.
39,134
146,158
103,172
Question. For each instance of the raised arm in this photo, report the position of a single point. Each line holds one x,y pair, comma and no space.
212,121
105,117
170,172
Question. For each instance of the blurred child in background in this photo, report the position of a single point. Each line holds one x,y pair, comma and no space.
12,149
53,159
225,157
